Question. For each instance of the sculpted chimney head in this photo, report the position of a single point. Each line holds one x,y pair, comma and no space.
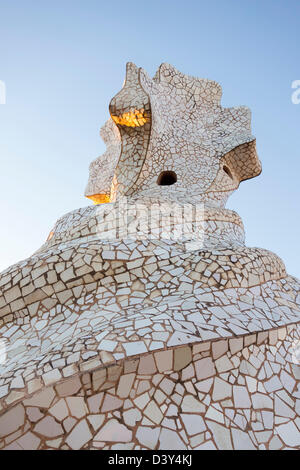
169,138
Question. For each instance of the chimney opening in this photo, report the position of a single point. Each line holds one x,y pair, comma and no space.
167,178
227,171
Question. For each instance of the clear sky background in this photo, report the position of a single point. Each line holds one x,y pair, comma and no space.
62,62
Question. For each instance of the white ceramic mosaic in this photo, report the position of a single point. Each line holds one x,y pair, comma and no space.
144,322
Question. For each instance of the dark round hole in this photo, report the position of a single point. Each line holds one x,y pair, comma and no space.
166,178
227,171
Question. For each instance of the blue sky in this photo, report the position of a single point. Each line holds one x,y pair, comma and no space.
62,61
